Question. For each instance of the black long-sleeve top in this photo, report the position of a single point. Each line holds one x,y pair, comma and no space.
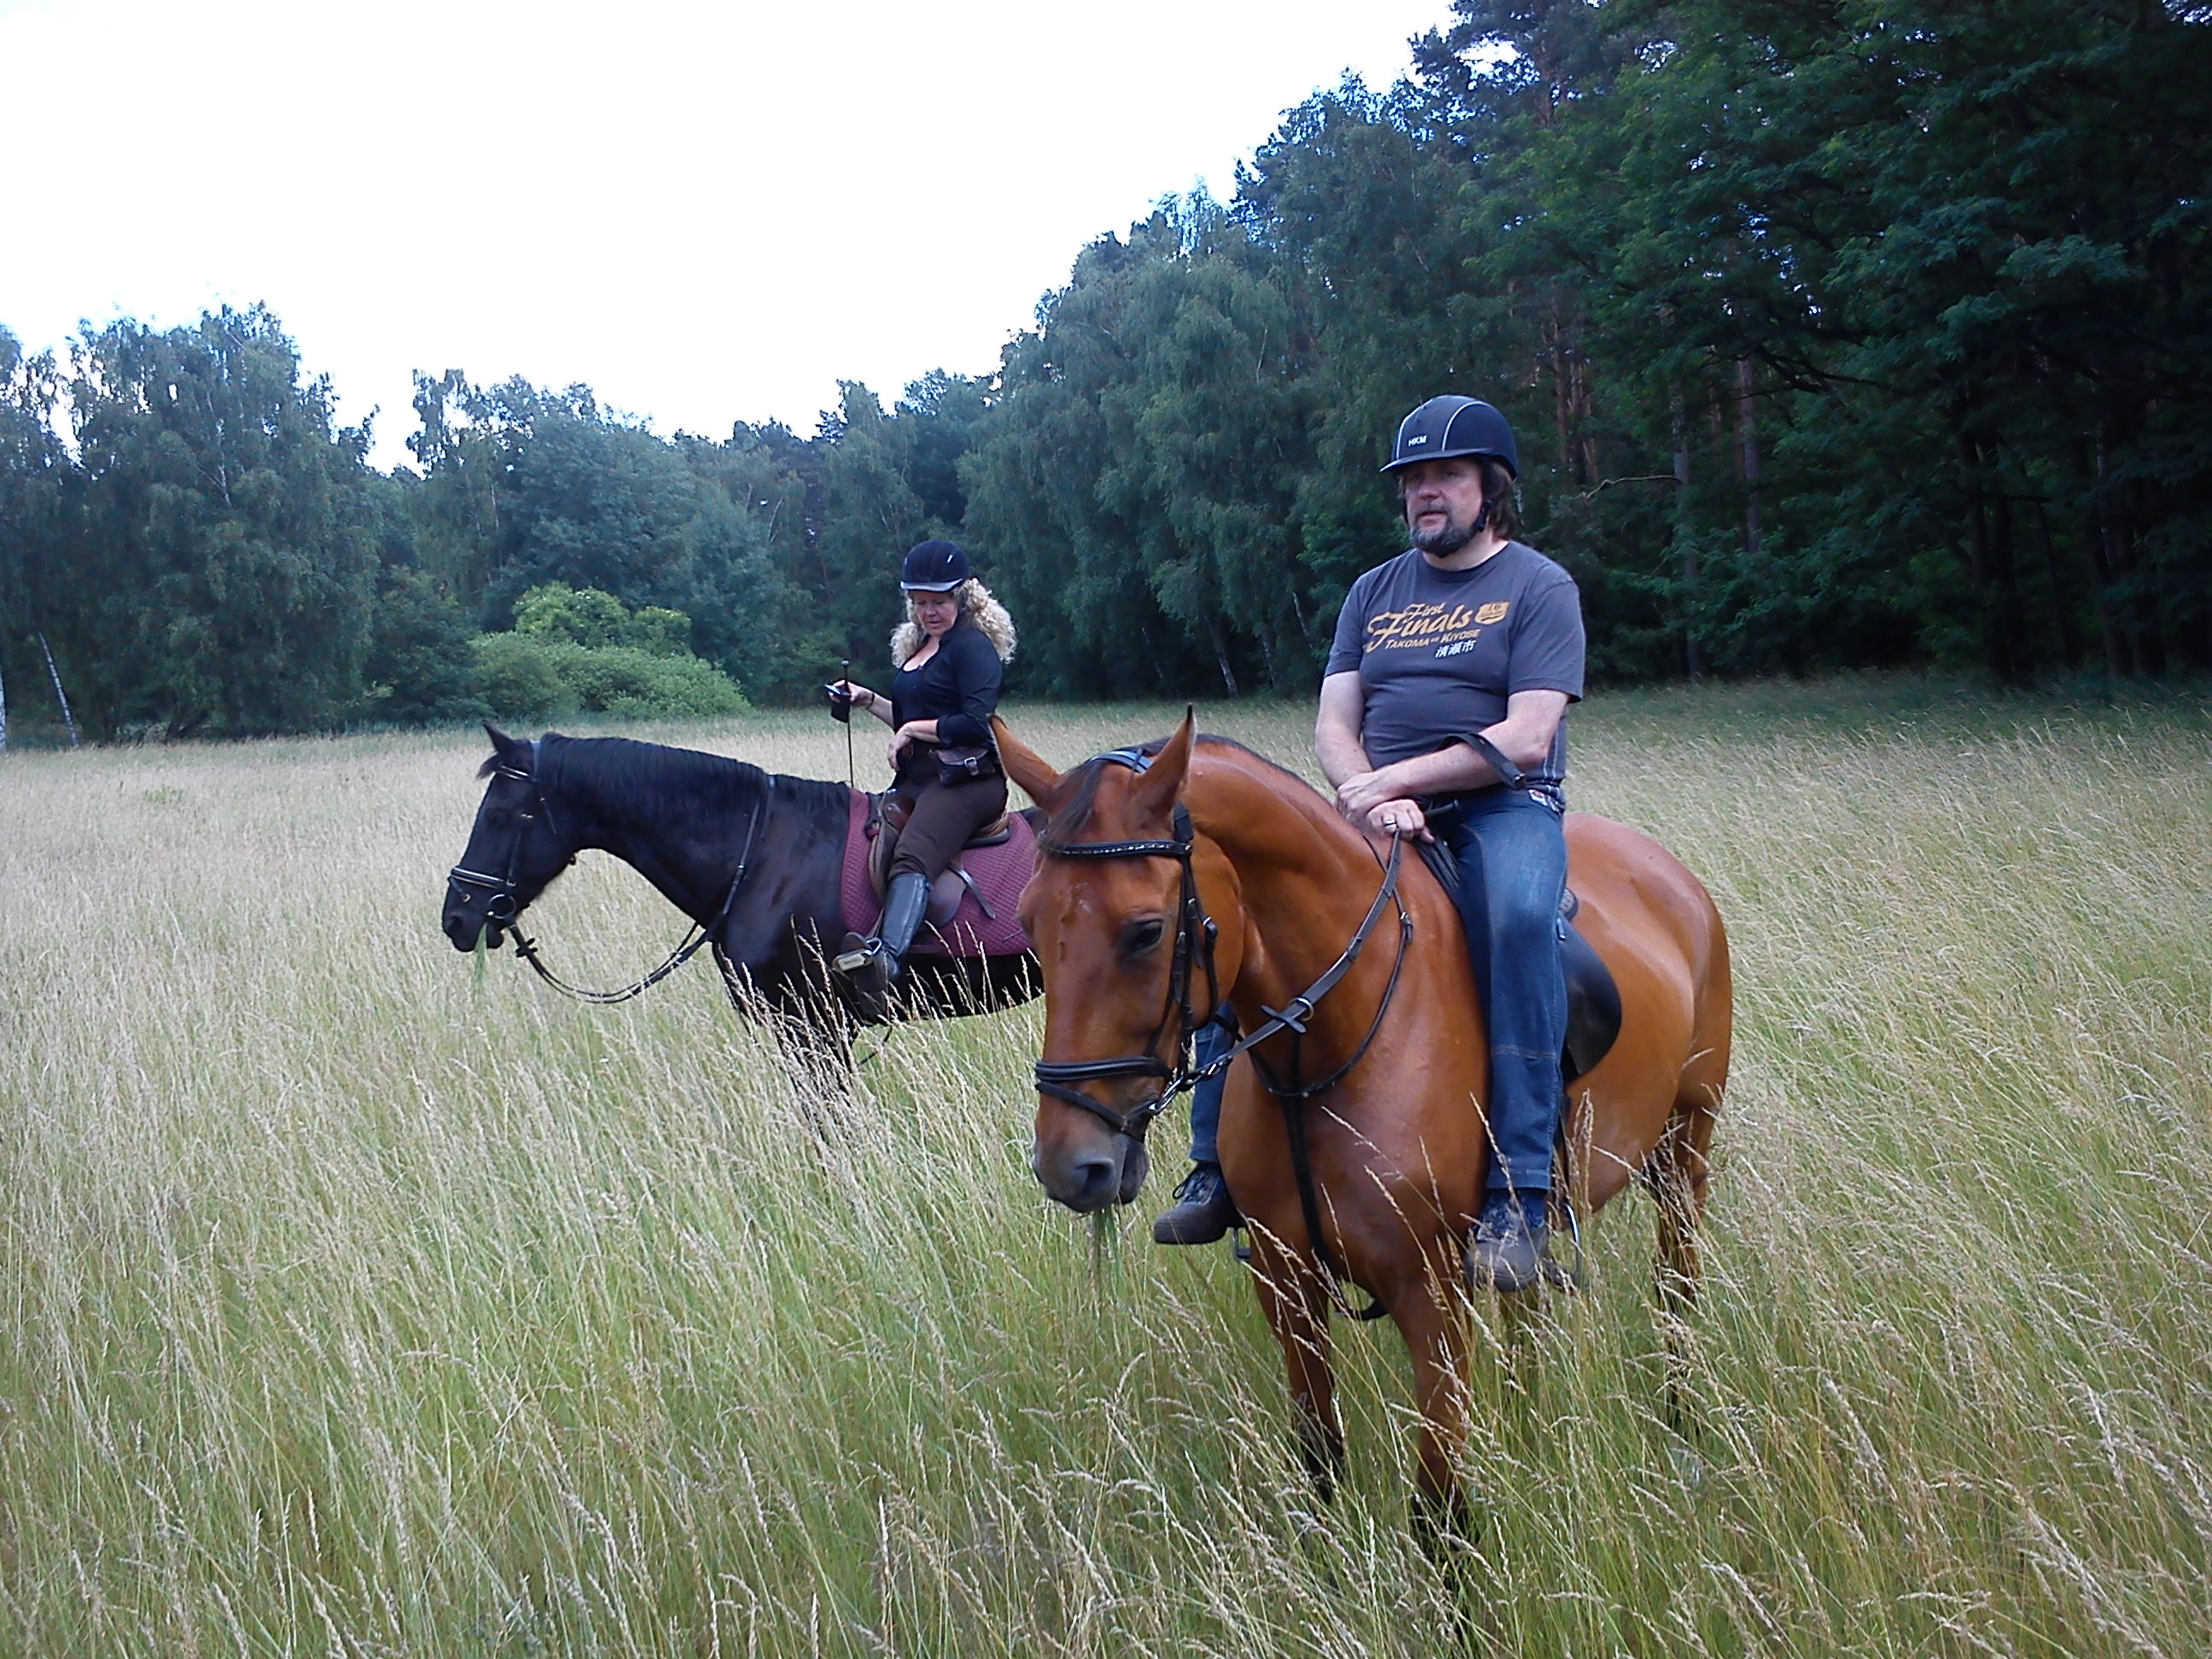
957,688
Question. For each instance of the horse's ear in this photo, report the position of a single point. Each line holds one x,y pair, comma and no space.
501,742
1154,794
1023,763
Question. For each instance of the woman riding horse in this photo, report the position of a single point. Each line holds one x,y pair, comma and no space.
950,653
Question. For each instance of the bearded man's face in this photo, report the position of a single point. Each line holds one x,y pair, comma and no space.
1443,503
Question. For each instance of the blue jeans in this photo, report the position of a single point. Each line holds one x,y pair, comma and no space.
1512,855
1215,1038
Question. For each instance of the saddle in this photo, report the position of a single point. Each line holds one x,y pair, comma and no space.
1593,999
971,906
887,817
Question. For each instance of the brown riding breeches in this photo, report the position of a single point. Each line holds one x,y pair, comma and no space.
945,816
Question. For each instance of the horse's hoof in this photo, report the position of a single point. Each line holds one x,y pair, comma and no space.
1440,1521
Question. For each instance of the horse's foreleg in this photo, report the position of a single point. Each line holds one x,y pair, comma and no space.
1677,1169
1431,1319
1295,1300
813,1032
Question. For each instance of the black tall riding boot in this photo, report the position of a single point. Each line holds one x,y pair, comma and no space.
873,965
904,906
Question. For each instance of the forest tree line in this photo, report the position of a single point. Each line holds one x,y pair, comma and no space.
1836,332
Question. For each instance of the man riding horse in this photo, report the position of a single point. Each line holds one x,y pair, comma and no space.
1443,717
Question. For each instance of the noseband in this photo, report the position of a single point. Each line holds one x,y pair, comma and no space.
1195,933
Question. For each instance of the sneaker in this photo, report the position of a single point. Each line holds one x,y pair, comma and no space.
1511,1244
1203,1212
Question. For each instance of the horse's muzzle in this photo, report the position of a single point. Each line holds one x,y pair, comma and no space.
1087,1172
463,924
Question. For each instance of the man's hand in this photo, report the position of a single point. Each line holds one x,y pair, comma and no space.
1402,815
1371,800
1359,794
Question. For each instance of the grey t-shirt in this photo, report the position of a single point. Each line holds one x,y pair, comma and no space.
1438,651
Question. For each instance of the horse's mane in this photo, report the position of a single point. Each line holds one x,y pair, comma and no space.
656,780
1078,796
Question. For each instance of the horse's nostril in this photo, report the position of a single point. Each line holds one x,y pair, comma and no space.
1096,1180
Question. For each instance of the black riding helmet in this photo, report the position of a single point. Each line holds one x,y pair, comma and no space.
935,566
1446,426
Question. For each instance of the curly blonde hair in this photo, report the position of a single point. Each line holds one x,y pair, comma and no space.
977,604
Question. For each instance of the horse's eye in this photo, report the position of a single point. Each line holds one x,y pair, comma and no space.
498,818
1139,937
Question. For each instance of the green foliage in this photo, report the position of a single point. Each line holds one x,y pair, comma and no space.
518,679
660,632
1834,334
1135,480
581,649
869,516
625,680
423,667
526,678
525,489
223,575
34,474
554,610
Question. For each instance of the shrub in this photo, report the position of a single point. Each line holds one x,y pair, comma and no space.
518,678
662,632
556,613
527,679
624,679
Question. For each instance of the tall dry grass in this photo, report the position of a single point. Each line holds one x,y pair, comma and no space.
357,1297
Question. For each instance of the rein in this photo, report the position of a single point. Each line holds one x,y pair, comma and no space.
1195,933
502,890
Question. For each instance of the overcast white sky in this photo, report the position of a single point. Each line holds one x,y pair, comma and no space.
706,212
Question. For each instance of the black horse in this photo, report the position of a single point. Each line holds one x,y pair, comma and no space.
754,858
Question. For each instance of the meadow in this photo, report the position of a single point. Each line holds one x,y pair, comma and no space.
360,1298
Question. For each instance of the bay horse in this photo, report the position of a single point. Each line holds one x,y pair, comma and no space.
1192,869
752,857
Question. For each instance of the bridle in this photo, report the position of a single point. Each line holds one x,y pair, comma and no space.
1195,933
503,893
501,887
